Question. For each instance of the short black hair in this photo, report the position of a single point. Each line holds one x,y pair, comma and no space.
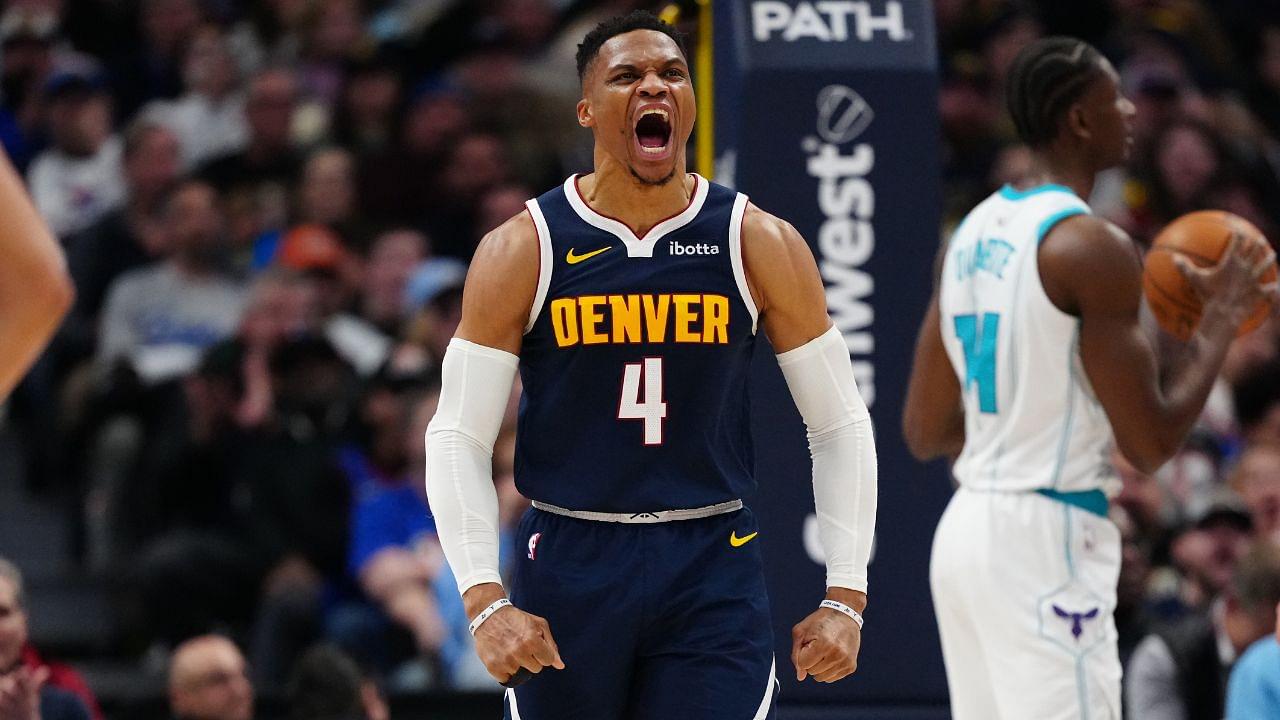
619,25
1046,77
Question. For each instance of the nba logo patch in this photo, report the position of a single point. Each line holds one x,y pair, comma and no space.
533,545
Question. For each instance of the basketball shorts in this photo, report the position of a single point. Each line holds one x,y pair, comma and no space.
1024,587
663,621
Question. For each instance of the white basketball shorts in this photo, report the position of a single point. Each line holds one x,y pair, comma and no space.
1024,587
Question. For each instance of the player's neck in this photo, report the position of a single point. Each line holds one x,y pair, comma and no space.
1070,172
613,191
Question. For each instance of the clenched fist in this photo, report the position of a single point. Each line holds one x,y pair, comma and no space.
825,644
512,639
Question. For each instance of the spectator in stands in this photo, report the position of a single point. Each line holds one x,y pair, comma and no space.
26,690
393,554
1207,551
79,178
208,680
397,182
1254,688
393,258
27,37
209,117
474,164
1180,672
262,173
1257,404
328,685
126,238
500,204
366,116
433,303
327,196
300,499
317,251
1257,479
150,66
160,318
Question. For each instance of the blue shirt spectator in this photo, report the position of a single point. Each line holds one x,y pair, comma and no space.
1254,689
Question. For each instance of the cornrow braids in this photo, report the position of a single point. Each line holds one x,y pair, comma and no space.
1046,77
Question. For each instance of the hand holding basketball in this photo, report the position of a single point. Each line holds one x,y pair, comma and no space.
1235,285
825,645
513,639
1210,262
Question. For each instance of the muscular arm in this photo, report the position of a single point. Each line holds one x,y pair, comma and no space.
478,371
35,289
784,280
495,307
788,291
1090,269
933,417
500,286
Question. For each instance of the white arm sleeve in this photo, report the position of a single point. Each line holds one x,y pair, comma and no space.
473,398
821,380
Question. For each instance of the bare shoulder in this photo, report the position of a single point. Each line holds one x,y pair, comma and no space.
1087,258
769,237
510,246
784,280
501,285
775,255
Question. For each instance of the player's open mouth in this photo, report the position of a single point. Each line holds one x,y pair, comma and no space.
653,132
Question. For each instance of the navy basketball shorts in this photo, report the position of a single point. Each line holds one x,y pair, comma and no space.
663,621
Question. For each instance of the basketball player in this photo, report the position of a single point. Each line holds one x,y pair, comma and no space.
35,290
632,296
1030,355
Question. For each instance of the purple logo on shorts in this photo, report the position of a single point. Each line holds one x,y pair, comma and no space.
1077,619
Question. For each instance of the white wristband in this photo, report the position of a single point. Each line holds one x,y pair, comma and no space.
488,612
842,608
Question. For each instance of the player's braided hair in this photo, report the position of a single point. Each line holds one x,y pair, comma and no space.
1046,77
637,20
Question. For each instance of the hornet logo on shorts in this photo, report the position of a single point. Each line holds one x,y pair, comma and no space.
1077,619
533,545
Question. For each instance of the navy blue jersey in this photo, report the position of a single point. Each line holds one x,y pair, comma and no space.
635,359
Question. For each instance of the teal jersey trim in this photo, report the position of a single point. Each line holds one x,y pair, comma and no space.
1054,219
1009,193
1094,501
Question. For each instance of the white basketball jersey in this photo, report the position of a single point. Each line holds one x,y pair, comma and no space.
1031,419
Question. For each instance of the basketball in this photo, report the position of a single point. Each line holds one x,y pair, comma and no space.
1200,237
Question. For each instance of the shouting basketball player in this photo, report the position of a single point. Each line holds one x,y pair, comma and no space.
35,289
629,300
1030,355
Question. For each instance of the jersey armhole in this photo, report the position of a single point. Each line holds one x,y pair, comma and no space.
544,262
735,257
1052,221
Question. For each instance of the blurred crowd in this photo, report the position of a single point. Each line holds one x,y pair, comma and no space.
1200,583
268,208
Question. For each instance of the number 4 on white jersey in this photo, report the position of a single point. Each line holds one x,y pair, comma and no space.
651,408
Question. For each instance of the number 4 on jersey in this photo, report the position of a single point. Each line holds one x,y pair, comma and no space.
978,341
644,404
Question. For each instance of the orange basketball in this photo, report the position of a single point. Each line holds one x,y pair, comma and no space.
1200,237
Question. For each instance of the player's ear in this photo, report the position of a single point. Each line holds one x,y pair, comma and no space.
1078,122
585,116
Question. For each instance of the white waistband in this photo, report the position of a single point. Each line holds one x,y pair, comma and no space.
657,516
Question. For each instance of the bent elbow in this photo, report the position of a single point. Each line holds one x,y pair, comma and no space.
1148,455
48,292
919,444
60,293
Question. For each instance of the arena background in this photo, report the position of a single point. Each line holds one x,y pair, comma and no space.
326,167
